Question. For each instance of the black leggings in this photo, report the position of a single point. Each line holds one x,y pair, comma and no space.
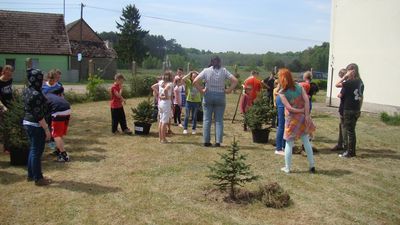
118,117
177,114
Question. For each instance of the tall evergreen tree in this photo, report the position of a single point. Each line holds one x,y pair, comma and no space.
130,46
232,170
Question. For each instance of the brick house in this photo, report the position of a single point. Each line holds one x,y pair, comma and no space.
92,47
40,36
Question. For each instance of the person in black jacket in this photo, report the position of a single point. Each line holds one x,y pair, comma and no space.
60,111
35,125
352,95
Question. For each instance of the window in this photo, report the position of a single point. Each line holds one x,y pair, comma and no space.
11,62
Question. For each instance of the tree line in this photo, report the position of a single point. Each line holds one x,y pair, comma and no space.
149,51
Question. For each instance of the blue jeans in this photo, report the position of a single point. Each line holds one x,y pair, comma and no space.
213,104
307,146
191,107
280,142
37,141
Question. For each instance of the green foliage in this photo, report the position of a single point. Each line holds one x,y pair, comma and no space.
96,91
177,61
11,126
151,63
73,97
232,170
141,86
390,120
260,113
143,112
322,84
131,46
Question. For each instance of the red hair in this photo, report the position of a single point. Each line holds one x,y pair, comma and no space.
285,79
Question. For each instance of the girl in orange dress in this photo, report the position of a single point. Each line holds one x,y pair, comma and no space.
298,123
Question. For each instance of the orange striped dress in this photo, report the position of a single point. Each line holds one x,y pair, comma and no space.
295,125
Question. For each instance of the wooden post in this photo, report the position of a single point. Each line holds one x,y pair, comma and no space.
134,78
91,67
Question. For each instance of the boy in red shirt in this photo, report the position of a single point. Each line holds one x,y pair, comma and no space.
117,110
254,84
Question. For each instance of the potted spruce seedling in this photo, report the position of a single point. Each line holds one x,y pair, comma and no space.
259,119
143,117
16,140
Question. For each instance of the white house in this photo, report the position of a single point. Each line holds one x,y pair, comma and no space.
367,32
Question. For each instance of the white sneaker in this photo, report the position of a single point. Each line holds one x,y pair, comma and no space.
193,131
286,170
184,131
279,152
180,125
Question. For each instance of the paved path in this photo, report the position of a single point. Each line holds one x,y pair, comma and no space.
78,88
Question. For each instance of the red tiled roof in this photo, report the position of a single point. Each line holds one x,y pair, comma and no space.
33,33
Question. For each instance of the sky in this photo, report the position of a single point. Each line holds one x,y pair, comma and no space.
245,26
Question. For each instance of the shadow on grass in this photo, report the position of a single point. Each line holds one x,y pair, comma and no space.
10,178
83,141
325,140
378,153
89,158
88,188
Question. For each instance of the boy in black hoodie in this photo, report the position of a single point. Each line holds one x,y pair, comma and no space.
60,111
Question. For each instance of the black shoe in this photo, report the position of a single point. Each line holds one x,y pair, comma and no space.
312,170
217,145
29,179
63,157
56,152
207,144
347,154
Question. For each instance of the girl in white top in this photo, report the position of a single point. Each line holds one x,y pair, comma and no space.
164,89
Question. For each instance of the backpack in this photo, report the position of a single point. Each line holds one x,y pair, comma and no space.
313,89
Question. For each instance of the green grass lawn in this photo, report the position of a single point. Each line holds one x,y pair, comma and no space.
135,180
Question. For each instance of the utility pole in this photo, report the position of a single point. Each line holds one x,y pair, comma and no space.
80,58
64,9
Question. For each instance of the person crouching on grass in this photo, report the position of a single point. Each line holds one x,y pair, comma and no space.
117,109
163,89
60,111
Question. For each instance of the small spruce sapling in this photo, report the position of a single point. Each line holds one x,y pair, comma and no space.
232,170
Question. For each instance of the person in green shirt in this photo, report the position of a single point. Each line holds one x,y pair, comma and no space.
193,101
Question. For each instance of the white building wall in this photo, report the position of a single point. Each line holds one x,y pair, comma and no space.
367,32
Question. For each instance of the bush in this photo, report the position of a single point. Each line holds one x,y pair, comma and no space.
11,128
390,120
152,63
73,97
322,84
260,113
101,93
141,86
143,112
95,88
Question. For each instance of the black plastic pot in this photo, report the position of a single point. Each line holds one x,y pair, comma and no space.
19,157
260,136
142,128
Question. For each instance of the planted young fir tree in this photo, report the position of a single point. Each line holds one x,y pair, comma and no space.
232,171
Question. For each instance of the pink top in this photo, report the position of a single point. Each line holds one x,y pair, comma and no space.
177,95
